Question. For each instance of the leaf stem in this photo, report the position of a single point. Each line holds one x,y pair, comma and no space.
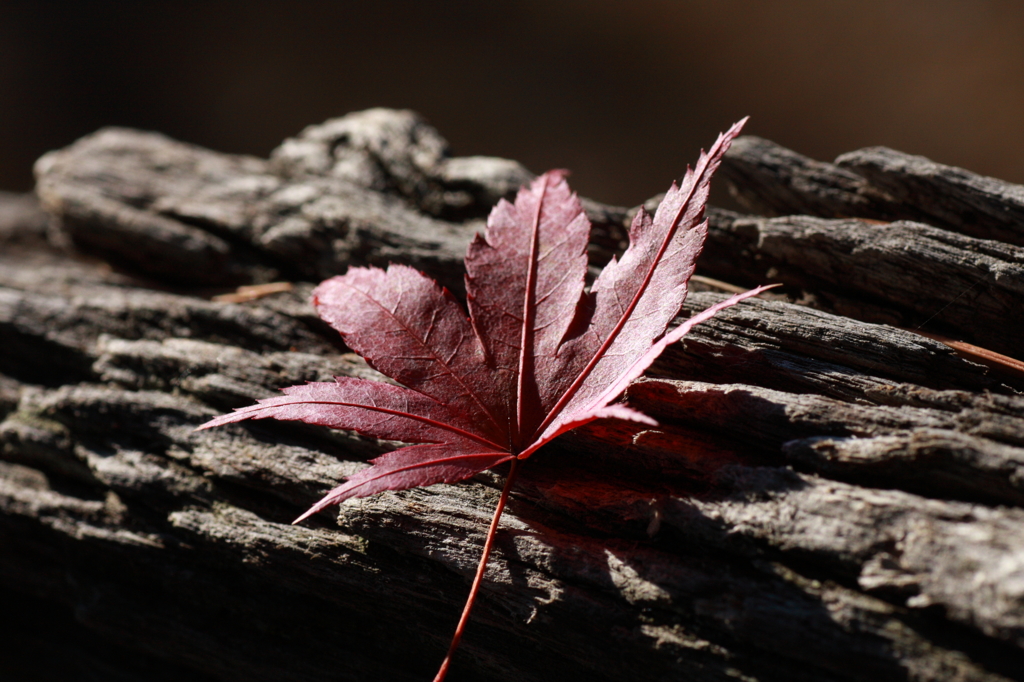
481,567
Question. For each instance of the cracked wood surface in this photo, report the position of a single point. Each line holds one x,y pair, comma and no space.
829,495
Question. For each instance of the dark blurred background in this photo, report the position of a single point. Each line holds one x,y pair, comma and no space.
622,93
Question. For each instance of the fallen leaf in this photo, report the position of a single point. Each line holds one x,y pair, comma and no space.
538,354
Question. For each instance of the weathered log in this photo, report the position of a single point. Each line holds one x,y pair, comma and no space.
875,183
906,274
892,548
767,179
52,337
965,464
116,198
942,195
775,343
369,188
929,461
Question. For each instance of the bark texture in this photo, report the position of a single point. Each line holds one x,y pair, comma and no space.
832,494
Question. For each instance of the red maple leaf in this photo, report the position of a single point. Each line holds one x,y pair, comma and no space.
537,356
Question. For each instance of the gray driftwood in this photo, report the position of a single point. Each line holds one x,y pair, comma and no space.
827,497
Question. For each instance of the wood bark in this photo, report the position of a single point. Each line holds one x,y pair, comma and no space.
830,495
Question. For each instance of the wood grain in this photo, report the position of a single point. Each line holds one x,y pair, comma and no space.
828,495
